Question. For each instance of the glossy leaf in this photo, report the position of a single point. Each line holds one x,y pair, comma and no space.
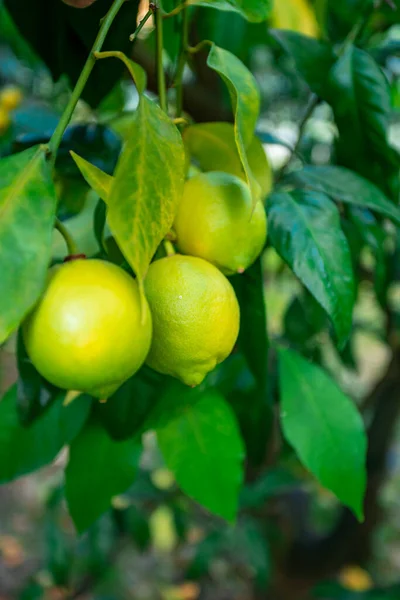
25,449
98,469
245,99
98,180
200,442
304,228
252,10
34,393
148,185
27,212
346,186
324,427
312,58
360,97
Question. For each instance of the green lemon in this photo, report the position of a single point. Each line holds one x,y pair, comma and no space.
195,317
90,331
216,221
213,147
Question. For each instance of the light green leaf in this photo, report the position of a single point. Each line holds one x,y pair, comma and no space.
245,98
344,185
27,212
324,427
252,10
202,446
148,185
98,469
25,449
137,73
98,180
304,228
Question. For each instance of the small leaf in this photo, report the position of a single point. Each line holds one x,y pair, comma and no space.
304,228
27,212
252,10
313,58
34,393
201,445
137,73
324,427
346,186
99,181
25,449
98,469
148,185
245,99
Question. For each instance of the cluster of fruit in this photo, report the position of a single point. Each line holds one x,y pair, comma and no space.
10,99
94,328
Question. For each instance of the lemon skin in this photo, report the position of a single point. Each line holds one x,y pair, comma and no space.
10,98
195,317
90,330
216,220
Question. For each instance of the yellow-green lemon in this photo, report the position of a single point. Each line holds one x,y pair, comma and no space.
217,221
90,331
195,317
10,98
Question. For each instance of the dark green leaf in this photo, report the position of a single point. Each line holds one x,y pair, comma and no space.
247,544
346,186
148,185
252,10
313,58
201,444
34,393
27,212
245,99
324,427
25,449
303,319
304,228
98,469
63,37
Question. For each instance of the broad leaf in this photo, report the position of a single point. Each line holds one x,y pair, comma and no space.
245,99
312,58
201,445
304,228
27,213
98,180
25,449
324,427
148,185
346,186
360,97
252,10
98,469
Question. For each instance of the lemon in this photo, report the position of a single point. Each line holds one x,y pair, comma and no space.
213,147
195,317
216,221
88,332
10,98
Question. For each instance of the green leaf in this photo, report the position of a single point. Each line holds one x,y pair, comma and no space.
252,10
324,427
137,73
360,97
34,393
148,185
25,449
245,99
98,180
27,212
98,469
304,228
346,186
201,445
313,59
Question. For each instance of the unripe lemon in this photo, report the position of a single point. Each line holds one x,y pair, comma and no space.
88,332
10,98
195,317
216,221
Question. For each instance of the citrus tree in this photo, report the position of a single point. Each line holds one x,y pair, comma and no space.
139,307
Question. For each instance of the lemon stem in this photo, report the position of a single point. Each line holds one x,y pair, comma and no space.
69,240
183,54
169,249
162,89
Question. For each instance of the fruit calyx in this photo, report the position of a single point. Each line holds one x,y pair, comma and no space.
71,257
